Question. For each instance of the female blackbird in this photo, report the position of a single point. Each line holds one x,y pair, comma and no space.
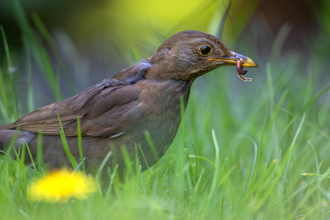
118,111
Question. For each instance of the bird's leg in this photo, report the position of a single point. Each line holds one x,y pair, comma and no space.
241,72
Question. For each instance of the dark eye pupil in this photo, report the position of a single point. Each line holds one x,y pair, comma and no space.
205,50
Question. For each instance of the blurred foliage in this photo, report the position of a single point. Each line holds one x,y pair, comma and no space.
131,24
246,143
106,36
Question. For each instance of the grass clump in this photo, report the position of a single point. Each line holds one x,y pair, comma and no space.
254,150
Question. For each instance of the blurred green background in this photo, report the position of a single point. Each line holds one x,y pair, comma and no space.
253,140
96,39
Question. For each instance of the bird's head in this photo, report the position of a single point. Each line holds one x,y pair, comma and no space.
189,54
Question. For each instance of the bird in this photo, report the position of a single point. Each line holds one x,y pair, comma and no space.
117,112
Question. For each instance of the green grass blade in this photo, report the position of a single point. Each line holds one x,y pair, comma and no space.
71,158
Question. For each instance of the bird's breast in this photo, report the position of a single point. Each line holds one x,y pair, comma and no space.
160,109
162,97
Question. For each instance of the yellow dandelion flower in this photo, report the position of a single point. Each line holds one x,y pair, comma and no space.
59,186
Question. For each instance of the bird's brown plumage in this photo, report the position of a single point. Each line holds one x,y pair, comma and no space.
117,111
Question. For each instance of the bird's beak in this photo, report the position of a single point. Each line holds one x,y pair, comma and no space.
232,60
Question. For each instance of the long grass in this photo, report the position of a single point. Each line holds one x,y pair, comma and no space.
256,150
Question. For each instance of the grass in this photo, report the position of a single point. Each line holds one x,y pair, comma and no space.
254,150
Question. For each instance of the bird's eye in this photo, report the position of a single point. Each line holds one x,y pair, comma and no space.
205,50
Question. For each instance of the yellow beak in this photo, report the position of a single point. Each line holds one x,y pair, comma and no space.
232,60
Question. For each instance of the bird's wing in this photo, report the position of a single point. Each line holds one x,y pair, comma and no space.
101,109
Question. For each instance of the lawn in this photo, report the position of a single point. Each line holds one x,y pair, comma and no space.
245,150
